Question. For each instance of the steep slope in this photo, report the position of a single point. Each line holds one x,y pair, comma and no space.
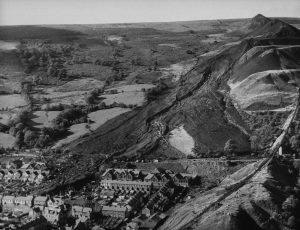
258,21
275,88
200,103
193,104
276,28
259,204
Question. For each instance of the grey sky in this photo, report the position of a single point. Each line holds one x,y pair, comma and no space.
20,12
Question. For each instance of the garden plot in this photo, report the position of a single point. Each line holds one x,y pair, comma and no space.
128,94
11,101
98,118
68,98
6,140
8,86
44,118
85,84
5,116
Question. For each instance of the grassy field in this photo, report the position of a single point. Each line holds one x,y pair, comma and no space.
97,118
44,118
6,140
11,101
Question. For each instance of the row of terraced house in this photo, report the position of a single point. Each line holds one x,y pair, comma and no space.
134,179
31,172
52,208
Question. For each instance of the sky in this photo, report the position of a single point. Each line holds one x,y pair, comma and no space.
30,12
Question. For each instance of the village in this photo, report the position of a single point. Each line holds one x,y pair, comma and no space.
122,198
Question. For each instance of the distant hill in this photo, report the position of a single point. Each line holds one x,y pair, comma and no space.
258,21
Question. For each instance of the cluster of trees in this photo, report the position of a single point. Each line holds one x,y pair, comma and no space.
69,117
293,137
265,127
153,93
20,129
48,59
92,97
290,207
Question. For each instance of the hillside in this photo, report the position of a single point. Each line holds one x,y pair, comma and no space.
266,201
200,102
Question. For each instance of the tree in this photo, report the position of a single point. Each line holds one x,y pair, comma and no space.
23,116
90,99
292,222
29,137
295,142
230,146
13,131
19,139
254,141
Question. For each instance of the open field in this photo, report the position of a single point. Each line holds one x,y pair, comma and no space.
85,84
6,140
5,45
97,118
44,118
11,101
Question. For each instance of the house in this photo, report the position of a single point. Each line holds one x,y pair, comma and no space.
55,202
41,176
127,185
17,175
133,226
115,211
153,222
135,201
52,214
40,202
9,175
24,200
40,166
8,203
27,166
25,175
80,212
32,176
122,174
157,179
107,193
147,211
109,174
21,209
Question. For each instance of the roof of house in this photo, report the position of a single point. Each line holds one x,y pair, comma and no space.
77,202
114,208
24,198
149,176
40,199
8,198
25,166
86,209
107,192
127,182
77,208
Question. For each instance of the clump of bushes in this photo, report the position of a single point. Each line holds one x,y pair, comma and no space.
153,93
69,117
